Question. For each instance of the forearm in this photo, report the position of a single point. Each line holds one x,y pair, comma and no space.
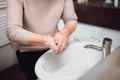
17,34
42,40
68,29
37,39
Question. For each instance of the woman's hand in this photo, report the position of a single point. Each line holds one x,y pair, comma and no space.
61,41
49,41
61,38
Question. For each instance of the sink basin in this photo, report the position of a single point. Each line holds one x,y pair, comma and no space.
73,63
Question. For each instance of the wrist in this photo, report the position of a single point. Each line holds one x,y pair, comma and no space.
69,28
45,38
36,39
65,33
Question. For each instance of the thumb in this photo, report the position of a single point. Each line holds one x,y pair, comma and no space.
53,46
56,40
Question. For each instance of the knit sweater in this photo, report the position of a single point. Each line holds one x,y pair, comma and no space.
25,17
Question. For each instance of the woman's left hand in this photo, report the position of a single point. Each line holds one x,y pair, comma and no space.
61,41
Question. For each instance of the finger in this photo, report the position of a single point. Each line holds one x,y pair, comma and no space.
56,41
59,45
53,46
56,38
64,47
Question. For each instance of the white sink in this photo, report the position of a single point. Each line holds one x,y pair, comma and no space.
73,63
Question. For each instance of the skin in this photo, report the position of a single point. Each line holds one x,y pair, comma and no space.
58,43
42,40
61,38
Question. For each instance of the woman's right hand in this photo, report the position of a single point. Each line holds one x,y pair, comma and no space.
49,41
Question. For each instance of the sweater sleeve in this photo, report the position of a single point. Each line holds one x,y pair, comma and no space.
15,31
69,15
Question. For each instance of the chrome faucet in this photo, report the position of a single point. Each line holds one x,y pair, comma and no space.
106,46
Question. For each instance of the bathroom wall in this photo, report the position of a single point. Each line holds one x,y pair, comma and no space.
7,53
99,15
7,56
97,2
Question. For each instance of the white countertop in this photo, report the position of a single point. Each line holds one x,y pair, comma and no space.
94,33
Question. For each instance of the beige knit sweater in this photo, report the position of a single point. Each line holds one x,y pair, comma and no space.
25,17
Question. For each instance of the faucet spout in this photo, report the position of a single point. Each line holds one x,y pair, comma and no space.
106,46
